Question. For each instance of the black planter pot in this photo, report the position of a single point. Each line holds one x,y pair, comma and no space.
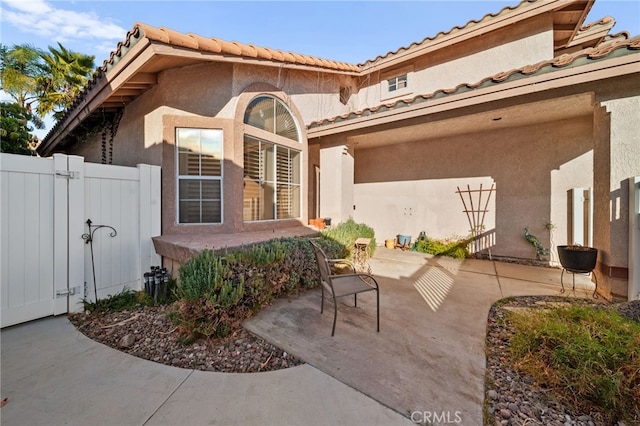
578,259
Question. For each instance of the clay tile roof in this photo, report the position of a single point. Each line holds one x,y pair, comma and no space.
206,44
442,34
607,20
276,55
196,42
601,51
216,45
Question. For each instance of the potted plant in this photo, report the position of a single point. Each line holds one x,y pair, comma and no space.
578,259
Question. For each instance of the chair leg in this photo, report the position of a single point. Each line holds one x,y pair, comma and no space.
355,300
378,309
322,299
335,316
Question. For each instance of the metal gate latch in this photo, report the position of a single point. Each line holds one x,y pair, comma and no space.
68,174
67,291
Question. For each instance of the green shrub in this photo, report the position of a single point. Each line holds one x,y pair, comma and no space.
218,290
456,248
124,300
346,233
207,293
586,354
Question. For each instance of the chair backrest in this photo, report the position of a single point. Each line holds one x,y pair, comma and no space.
323,266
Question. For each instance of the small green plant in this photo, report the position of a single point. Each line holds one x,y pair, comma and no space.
456,248
346,233
216,291
124,300
585,354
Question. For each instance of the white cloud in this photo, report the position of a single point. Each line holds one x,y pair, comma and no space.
38,7
46,20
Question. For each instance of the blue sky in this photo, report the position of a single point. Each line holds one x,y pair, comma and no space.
350,31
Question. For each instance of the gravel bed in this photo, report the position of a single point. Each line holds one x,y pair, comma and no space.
147,333
514,399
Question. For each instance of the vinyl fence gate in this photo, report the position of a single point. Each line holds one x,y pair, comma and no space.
46,267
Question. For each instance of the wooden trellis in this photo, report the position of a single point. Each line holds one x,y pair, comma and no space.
476,211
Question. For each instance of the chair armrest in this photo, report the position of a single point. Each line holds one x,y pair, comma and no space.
360,275
344,261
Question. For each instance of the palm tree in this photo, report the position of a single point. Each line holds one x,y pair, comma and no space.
20,69
64,74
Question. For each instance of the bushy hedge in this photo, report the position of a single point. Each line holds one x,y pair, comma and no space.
216,291
346,233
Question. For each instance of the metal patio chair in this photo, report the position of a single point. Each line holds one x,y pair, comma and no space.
340,285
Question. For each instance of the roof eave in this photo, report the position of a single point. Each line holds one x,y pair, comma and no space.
110,80
117,74
579,23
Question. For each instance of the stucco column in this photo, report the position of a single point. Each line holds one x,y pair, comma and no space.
617,150
336,183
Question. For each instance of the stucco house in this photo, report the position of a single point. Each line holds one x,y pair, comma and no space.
530,102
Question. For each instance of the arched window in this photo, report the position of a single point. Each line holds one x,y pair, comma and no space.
270,114
271,169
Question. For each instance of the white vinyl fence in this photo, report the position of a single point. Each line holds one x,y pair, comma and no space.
46,260
634,238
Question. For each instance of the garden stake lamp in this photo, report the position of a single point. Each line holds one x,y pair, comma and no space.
88,238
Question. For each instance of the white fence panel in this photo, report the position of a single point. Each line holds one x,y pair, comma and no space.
46,265
114,197
634,238
27,261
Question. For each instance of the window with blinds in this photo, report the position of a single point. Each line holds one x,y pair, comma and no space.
271,170
271,181
199,166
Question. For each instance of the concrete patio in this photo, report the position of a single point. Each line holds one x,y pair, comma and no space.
427,361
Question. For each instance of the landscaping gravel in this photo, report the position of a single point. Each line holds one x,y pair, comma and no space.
514,399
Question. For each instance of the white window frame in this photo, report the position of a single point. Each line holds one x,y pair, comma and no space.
279,142
274,166
390,79
180,177
398,83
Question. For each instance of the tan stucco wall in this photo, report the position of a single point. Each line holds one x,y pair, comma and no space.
215,96
336,183
617,131
315,95
412,187
468,62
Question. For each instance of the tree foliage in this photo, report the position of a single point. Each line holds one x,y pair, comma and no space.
64,74
20,69
40,83
15,137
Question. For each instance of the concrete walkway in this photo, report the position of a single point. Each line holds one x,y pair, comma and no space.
427,363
